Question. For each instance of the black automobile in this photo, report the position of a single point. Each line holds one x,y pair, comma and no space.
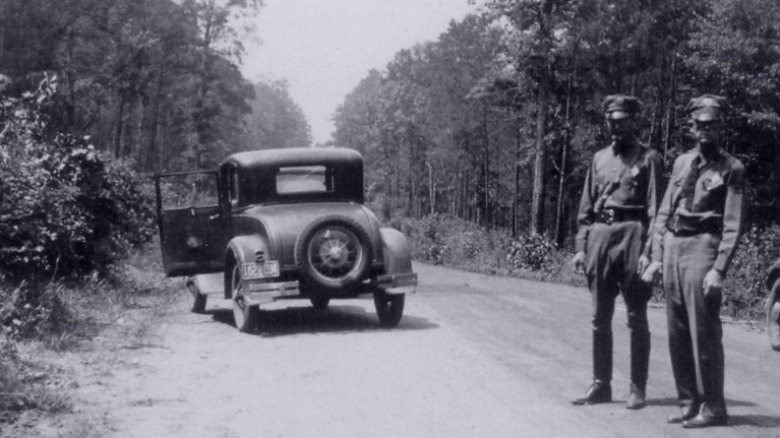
277,224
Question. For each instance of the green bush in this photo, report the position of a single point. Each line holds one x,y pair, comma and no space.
744,288
65,209
29,312
441,240
532,252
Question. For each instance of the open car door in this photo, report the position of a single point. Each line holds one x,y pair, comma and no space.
191,222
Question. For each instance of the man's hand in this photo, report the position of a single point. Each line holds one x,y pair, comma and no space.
713,282
651,272
579,262
642,265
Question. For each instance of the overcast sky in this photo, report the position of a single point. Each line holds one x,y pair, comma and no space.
325,47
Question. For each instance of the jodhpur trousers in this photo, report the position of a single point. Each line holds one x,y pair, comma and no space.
611,264
695,331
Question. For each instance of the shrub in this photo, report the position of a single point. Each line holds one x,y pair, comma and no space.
744,288
66,209
533,252
438,239
29,312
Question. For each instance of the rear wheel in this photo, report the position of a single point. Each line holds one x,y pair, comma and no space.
773,316
245,316
389,307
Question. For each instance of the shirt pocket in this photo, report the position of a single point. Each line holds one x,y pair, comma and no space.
713,182
630,184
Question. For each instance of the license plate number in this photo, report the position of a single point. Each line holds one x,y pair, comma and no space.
253,271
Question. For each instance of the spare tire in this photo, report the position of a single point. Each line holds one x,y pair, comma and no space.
334,253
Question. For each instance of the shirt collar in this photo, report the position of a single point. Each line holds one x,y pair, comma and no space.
617,151
701,162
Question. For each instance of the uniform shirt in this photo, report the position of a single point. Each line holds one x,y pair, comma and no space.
632,182
716,197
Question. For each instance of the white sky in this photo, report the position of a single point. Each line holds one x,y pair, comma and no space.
325,47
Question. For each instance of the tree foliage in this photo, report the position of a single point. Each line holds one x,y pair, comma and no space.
496,120
66,209
276,121
94,94
153,81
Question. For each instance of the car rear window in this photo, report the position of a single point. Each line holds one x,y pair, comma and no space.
303,179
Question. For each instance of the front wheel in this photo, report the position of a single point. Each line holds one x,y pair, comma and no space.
389,307
773,316
244,315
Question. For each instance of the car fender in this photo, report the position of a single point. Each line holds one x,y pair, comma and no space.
774,274
396,251
243,250
773,306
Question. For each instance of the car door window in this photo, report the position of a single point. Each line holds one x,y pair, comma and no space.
189,190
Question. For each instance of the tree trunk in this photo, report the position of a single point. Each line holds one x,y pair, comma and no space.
516,195
670,104
486,152
151,145
431,188
119,128
537,202
564,157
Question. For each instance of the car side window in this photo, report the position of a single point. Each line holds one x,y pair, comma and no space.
187,190
232,182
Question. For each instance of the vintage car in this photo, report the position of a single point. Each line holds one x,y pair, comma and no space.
773,305
277,224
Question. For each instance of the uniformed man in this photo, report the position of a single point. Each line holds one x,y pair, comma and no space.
618,205
696,231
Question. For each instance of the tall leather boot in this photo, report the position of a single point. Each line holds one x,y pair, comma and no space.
602,356
640,361
600,391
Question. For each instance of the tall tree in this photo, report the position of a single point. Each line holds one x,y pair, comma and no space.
276,120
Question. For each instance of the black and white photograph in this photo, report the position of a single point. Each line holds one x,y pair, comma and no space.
382,219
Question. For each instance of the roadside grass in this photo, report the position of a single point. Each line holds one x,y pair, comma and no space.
463,245
70,326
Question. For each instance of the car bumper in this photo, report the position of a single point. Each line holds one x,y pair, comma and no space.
263,292
398,283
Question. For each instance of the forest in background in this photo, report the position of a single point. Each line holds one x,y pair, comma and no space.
496,121
153,81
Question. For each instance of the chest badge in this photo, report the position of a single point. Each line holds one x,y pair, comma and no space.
714,182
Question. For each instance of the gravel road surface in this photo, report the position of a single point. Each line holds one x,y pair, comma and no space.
474,356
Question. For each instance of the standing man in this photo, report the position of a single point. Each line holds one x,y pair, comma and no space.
696,232
618,205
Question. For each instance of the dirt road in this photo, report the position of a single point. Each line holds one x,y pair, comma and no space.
474,356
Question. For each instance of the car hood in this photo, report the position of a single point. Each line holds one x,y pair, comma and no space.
282,224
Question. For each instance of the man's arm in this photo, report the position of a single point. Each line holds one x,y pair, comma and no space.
659,227
655,170
585,213
733,212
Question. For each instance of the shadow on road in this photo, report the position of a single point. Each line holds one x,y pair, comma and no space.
335,319
759,421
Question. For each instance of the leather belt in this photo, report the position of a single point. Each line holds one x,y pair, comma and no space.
612,215
682,226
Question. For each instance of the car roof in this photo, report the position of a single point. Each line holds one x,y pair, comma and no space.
272,158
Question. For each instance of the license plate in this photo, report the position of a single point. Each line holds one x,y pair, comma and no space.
253,271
